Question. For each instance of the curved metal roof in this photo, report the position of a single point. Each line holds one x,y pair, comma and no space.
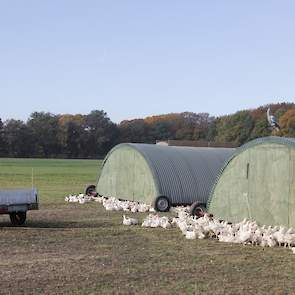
184,174
290,141
262,140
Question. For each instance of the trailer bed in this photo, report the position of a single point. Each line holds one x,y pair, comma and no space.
16,203
18,196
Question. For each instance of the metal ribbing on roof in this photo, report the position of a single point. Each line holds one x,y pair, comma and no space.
269,139
184,174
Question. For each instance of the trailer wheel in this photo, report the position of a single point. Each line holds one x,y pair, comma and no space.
162,204
197,209
90,189
18,218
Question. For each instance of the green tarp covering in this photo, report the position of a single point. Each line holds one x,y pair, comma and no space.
258,183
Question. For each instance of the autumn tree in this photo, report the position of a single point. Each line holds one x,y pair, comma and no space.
94,134
287,122
70,135
235,128
136,130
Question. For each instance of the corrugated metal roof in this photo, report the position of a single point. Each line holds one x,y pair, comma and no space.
184,174
269,139
290,141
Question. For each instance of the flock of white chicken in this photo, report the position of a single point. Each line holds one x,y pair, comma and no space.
111,204
81,199
245,232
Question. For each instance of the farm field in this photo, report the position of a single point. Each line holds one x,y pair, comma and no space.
83,249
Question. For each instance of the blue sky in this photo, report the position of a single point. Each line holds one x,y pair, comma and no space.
139,58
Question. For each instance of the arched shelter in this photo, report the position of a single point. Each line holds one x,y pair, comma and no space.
258,182
143,172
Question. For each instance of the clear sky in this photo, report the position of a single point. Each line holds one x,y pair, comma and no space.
144,57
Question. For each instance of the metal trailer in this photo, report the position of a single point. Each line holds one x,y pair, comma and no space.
16,203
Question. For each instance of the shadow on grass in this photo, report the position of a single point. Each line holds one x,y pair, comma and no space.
54,225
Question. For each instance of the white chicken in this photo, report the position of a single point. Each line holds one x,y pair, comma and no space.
129,221
190,235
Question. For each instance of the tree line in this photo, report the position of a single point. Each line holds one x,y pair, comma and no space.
47,135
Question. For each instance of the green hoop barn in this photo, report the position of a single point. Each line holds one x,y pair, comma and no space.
258,182
143,172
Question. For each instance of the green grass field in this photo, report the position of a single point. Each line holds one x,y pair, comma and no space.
83,249
53,178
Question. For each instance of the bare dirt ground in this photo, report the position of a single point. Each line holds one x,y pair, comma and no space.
83,249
